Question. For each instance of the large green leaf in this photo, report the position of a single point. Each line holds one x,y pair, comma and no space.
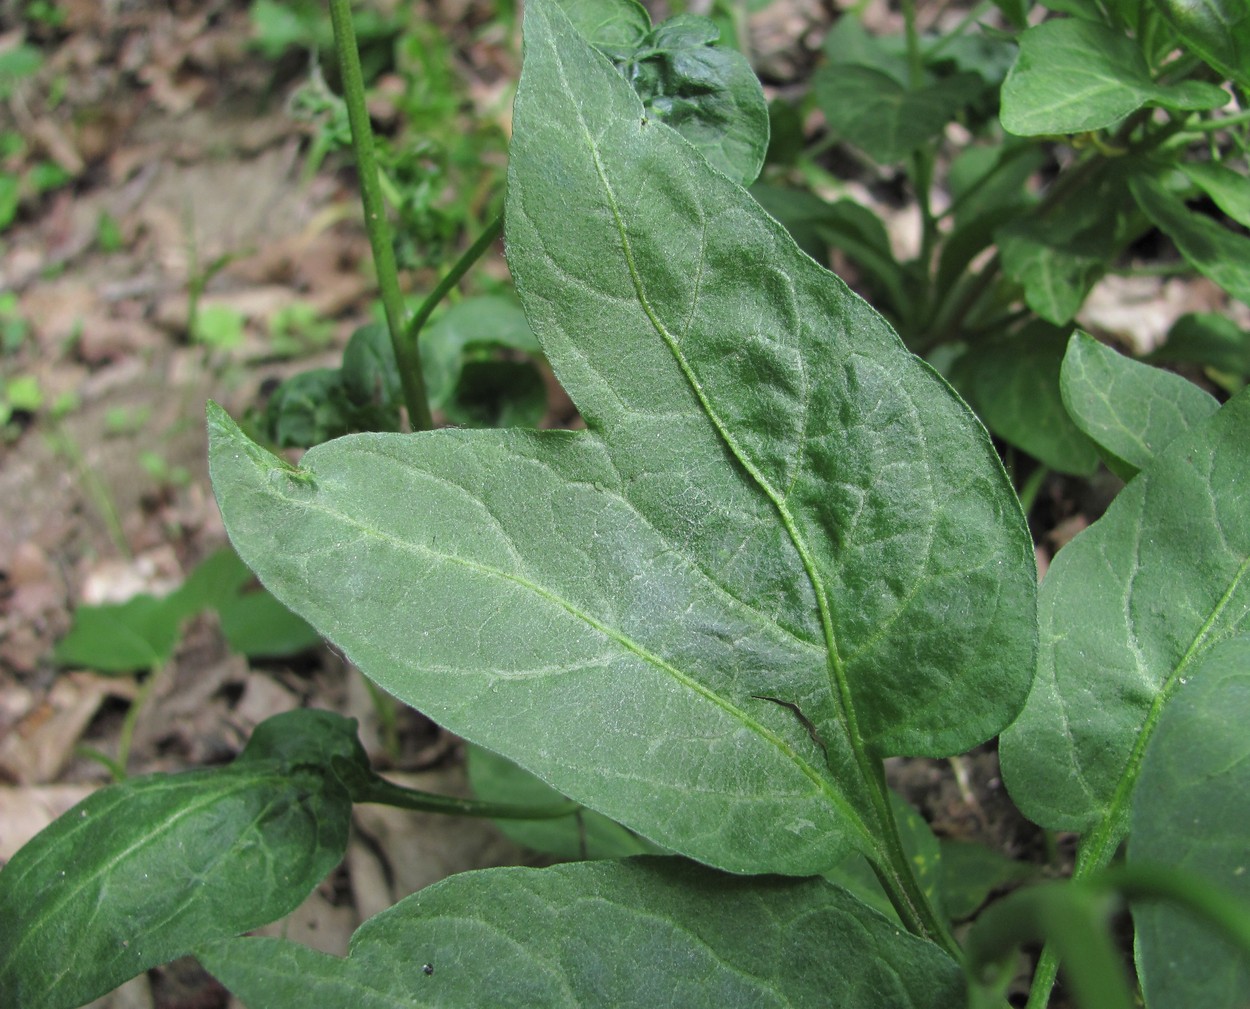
1126,609
1217,30
1130,409
1216,252
605,935
140,872
782,549
1191,811
1074,75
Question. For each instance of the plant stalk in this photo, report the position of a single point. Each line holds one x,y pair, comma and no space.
379,790
471,255
376,224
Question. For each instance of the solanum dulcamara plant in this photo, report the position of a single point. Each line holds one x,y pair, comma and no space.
782,551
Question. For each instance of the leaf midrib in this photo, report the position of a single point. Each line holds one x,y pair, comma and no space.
824,786
838,681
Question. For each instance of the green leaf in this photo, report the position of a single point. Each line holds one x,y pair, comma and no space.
587,835
1129,409
604,935
1191,810
848,43
1217,30
781,549
1214,251
887,121
922,849
255,624
1013,384
141,872
1074,75
616,28
707,93
1068,916
140,633
847,226
370,377
1059,258
1209,339
463,377
1126,609
1229,189
972,872
307,409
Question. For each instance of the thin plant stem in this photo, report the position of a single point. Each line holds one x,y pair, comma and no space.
63,443
1032,485
1211,125
133,713
386,708
899,880
376,224
387,793
470,256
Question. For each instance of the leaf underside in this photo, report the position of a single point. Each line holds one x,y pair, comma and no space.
782,549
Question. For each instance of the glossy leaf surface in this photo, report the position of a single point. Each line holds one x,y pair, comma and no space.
782,546
1125,609
140,872
1130,409
1191,811
1218,30
604,935
1074,75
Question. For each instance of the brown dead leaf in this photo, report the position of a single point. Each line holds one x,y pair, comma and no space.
42,744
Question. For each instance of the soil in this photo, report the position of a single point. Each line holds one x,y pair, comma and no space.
171,127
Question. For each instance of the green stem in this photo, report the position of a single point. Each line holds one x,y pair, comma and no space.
386,708
471,255
915,58
1210,125
379,790
1032,485
895,873
376,224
